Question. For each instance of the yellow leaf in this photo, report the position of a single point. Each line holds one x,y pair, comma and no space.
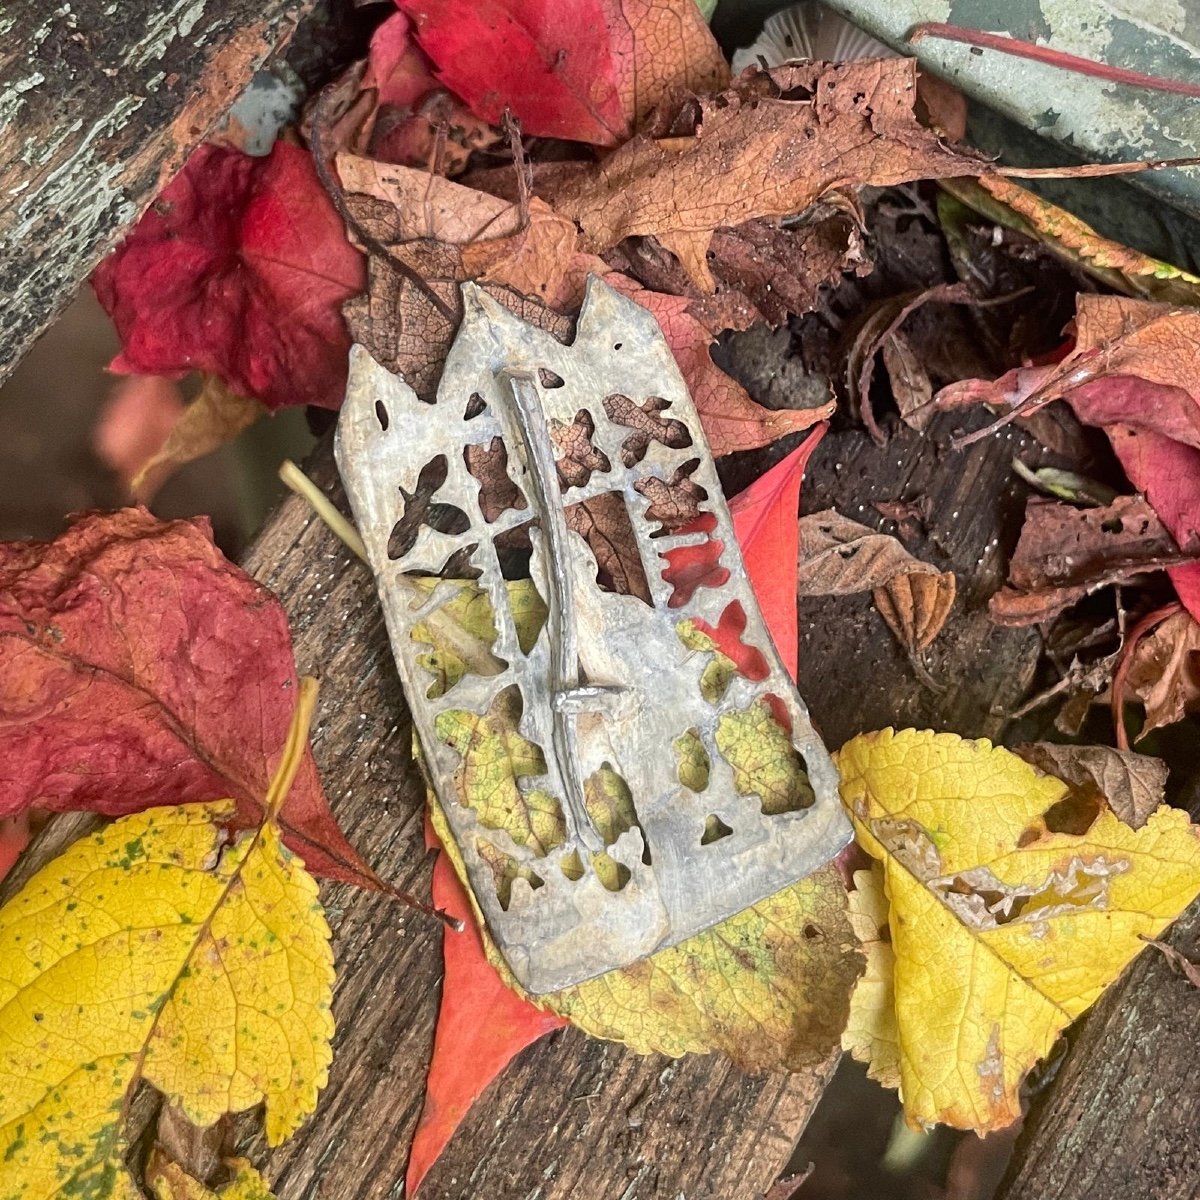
1003,930
170,1181
151,950
769,987
464,631
764,762
721,668
495,757
871,1035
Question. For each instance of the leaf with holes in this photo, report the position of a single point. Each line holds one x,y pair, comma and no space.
159,951
769,147
1010,908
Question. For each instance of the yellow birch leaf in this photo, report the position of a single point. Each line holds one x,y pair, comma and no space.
1003,930
151,950
169,1181
769,987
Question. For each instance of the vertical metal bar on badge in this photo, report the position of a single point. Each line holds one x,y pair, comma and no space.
567,698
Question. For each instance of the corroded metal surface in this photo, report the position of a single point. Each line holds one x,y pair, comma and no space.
613,682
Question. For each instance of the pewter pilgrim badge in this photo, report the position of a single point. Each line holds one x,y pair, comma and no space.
619,696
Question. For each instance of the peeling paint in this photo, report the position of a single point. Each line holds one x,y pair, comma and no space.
79,148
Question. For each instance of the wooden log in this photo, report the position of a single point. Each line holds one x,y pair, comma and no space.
1121,1116
100,104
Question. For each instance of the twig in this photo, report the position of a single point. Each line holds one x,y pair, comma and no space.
337,196
942,293
1051,57
1094,170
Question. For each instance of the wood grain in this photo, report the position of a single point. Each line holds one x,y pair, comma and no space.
100,104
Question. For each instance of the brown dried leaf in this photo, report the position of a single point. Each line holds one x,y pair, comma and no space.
781,271
411,310
769,147
911,387
839,556
1066,553
216,416
428,206
1165,675
662,49
577,456
603,522
397,321
915,607
1133,784
539,260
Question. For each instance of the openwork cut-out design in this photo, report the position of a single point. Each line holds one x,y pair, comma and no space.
601,769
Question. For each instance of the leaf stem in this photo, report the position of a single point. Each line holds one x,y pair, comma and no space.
293,748
1050,56
304,487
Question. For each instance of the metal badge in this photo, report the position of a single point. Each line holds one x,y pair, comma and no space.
626,721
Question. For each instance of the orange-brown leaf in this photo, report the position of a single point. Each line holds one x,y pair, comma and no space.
758,155
661,49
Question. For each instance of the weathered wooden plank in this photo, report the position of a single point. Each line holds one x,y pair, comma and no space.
100,103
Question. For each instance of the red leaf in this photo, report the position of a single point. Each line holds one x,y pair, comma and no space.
14,837
766,518
139,667
411,107
1168,472
482,1025
732,420
548,61
239,269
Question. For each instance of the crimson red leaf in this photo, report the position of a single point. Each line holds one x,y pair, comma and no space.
766,519
14,837
482,1025
240,269
547,61
139,667
1168,472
